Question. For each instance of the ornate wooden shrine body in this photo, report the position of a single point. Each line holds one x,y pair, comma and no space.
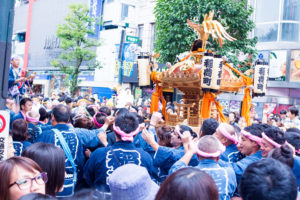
190,84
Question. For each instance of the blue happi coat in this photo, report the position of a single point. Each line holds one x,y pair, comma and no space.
102,162
296,169
20,146
111,138
231,154
139,142
12,78
224,177
31,132
36,130
16,116
165,157
240,166
77,139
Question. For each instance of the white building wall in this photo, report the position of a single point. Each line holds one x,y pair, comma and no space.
140,13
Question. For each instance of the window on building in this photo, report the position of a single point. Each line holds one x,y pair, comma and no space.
21,37
140,34
109,1
277,20
124,13
127,12
152,44
269,15
266,32
291,10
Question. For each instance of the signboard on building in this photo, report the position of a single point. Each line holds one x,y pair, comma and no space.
4,128
132,39
95,12
277,70
128,58
295,66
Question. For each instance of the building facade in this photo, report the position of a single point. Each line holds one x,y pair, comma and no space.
133,17
278,31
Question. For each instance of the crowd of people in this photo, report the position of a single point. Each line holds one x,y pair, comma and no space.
81,149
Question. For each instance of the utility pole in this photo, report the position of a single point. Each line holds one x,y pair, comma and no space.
6,27
27,37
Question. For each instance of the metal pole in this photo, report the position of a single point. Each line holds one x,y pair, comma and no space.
121,55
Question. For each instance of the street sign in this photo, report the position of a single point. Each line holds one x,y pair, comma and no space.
132,39
4,128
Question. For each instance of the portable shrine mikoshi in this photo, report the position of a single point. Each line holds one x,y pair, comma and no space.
202,75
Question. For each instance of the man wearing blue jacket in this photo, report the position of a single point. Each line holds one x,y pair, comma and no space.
250,147
77,140
227,136
208,151
104,161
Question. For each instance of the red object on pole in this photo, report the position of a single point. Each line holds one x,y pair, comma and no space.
27,37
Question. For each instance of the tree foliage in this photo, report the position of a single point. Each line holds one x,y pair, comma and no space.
174,36
78,48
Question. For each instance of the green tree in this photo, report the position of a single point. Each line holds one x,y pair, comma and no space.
78,48
174,36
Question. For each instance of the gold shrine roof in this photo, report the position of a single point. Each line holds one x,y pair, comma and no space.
191,81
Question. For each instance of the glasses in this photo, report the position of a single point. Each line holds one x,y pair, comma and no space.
26,183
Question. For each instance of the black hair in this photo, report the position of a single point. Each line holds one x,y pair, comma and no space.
82,121
293,138
90,110
184,128
127,122
61,94
89,194
100,117
164,134
24,101
43,114
275,134
92,99
293,110
61,99
52,160
264,126
254,129
268,179
68,100
283,112
36,196
78,98
121,111
139,118
188,183
19,130
284,154
293,130
72,116
135,108
61,113
209,126
46,99
105,110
